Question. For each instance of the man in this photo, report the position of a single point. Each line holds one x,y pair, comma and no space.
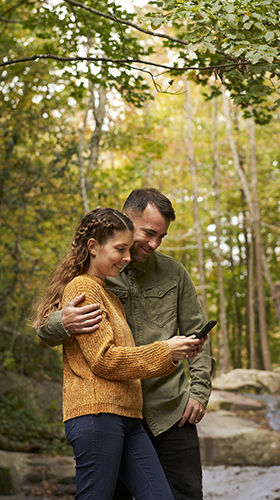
159,298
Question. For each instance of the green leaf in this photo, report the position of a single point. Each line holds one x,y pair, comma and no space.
269,35
192,47
210,47
157,22
255,58
170,4
229,7
269,58
231,18
239,51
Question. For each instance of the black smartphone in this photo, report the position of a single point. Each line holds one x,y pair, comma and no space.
206,329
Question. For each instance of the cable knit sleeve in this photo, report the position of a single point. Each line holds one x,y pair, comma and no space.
110,351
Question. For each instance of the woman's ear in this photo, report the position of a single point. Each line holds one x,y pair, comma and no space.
91,244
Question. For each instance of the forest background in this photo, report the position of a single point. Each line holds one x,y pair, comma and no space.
181,96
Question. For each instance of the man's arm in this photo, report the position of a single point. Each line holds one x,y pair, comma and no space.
70,321
191,319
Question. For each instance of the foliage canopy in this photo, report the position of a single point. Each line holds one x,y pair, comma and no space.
235,41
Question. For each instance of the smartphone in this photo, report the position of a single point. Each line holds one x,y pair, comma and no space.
206,329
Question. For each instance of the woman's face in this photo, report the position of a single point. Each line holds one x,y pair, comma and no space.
108,259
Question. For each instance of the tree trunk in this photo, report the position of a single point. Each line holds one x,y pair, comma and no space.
258,251
249,242
223,334
81,158
277,293
272,287
98,106
195,205
250,299
99,110
234,153
237,319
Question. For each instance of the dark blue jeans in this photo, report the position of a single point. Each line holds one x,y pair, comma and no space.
107,446
179,454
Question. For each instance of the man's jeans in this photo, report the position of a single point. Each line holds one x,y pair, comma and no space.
108,445
178,451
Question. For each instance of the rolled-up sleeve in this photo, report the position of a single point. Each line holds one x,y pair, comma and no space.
53,333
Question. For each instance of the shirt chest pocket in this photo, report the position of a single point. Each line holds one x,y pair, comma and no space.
161,302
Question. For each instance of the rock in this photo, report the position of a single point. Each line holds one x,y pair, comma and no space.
45,396
258,381
8,445
34,473
6,487
232,401
228,440
241,483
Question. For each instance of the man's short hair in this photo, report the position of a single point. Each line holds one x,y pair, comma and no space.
138,200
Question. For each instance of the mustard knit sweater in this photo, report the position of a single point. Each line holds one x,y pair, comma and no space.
102,370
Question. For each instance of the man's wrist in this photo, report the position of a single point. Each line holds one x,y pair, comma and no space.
63,327
57,327
202,401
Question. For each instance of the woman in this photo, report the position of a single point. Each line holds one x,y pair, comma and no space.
102,397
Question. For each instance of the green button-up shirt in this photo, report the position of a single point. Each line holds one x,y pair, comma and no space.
159,299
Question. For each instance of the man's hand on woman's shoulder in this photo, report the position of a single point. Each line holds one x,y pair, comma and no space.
81,319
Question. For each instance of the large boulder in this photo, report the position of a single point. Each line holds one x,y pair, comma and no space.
233,401
257,381
229,440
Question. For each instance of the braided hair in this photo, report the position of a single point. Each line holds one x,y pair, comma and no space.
100,224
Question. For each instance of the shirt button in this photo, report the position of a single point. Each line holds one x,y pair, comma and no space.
160,293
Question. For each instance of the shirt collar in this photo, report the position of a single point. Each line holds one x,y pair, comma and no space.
140,266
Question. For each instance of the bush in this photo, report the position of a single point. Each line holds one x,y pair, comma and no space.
30,356
20,422
17,420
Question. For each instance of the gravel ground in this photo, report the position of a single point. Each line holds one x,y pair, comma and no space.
241,483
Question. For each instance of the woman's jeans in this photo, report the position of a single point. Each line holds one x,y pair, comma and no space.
107,446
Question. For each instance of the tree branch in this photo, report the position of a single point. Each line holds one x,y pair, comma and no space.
6,20
125,62
271,226
13,7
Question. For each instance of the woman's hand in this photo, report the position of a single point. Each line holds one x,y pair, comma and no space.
185,347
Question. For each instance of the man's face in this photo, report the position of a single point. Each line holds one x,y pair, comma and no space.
149,230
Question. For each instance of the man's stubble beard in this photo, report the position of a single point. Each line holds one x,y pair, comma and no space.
136,257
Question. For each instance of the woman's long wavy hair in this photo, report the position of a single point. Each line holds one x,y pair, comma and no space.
100,224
